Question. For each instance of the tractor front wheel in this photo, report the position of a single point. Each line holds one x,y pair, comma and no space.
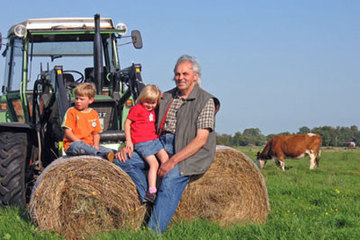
13,151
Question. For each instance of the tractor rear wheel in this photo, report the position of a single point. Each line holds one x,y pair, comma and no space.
13,151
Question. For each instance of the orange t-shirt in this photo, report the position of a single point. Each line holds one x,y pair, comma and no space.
83,124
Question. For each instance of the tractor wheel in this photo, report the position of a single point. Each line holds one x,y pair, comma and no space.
13,147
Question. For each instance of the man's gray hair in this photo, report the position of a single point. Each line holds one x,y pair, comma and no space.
195,65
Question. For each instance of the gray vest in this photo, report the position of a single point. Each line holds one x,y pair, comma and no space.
186,129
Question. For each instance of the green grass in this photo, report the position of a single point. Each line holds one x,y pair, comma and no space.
320,204
15,224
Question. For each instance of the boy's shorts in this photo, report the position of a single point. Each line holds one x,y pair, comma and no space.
148,148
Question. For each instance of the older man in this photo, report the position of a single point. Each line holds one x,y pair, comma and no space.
186,123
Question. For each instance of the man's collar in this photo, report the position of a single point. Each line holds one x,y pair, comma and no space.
191,96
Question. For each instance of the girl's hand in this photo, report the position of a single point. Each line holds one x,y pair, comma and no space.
122,155
130,146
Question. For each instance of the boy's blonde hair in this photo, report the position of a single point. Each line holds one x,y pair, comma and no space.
85,89
149,92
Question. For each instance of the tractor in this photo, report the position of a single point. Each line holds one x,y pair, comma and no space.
45,60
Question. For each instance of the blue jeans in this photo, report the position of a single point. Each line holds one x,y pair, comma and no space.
169,192
80,148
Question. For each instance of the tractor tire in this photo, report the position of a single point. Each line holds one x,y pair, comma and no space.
13,152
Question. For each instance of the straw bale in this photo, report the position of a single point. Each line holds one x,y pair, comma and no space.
232,191
79,196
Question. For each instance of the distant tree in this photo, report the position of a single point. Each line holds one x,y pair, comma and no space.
238,139
224,139
338,136
283,133
355,134
270,136
327,134
345,135
253,136
304,130
277,134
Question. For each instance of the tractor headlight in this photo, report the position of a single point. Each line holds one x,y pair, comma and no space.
122,27
3,107
20,30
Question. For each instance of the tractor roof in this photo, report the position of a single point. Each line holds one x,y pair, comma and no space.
65,24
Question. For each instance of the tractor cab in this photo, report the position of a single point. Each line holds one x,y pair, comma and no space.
47,58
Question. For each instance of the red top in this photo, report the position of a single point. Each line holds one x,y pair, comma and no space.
143,127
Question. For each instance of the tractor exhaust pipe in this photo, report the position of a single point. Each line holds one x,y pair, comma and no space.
98,65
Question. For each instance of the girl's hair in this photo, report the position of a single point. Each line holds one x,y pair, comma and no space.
85,89
149,92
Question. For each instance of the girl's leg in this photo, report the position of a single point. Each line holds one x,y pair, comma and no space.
152,174
162,155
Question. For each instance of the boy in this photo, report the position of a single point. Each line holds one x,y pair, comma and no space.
82,126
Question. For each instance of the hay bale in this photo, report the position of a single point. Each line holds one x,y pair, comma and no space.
232,191
79,196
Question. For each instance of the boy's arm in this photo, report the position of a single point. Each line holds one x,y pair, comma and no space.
96,141
96,132
129,143
70,135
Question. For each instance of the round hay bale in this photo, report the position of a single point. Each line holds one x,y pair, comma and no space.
79,196
232,191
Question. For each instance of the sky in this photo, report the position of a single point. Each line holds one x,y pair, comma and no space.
274,65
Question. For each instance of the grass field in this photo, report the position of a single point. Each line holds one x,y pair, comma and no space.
318,204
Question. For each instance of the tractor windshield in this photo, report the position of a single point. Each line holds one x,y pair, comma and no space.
73,52
44,56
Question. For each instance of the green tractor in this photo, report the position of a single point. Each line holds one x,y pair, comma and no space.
45,60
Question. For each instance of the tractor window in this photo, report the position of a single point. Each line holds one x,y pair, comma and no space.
110,45
55,49
14,66
73,64
72,56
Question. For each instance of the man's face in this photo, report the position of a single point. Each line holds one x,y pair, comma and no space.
185,78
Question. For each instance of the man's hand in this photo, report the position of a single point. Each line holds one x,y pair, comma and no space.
166,167
122,155
198,142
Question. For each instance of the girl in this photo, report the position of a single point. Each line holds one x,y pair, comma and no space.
140,133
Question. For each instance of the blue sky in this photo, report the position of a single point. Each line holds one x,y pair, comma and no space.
274,65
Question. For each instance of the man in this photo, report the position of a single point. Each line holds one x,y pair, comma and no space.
186,122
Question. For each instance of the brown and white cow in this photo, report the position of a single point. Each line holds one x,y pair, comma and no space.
291,146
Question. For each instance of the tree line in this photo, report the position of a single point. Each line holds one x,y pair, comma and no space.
335,137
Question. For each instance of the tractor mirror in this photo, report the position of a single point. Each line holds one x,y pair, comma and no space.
136,39
0,40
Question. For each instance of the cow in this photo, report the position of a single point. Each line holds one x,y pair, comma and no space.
291,146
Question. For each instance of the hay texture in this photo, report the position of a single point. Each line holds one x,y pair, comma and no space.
79,196
232,191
